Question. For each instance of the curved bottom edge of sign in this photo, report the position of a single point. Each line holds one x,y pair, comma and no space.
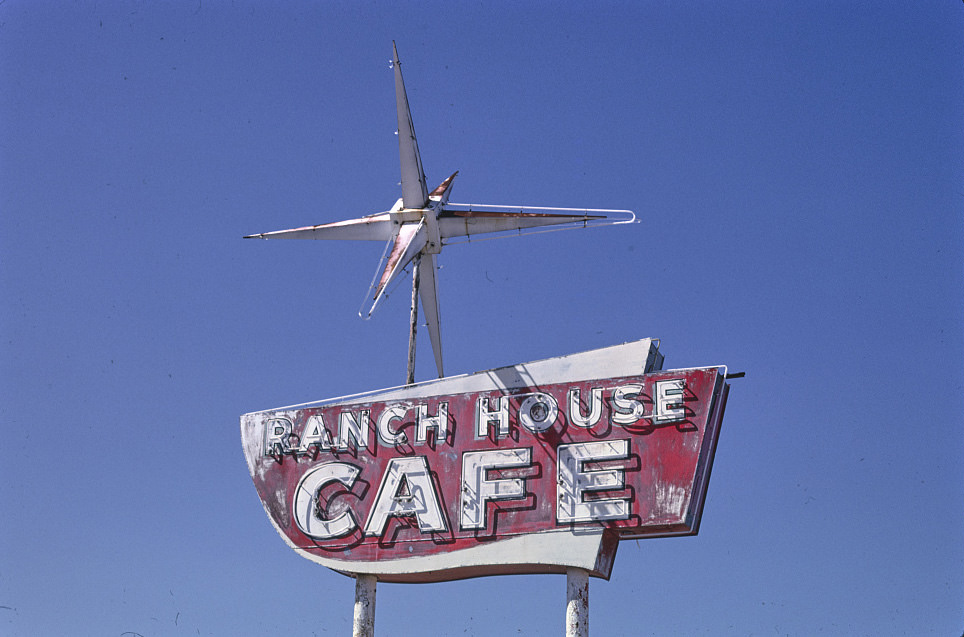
554,551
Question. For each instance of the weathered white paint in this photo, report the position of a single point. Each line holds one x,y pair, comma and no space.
577,603
582,549
670,497
575,481
363,618
478,488
419,499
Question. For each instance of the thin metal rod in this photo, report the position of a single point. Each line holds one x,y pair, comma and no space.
363,621
410,377
577,602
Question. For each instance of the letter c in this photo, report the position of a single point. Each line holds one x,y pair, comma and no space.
306,494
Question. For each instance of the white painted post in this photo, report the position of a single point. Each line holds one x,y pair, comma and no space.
577,602
363,621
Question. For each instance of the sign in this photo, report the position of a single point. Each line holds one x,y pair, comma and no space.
526,469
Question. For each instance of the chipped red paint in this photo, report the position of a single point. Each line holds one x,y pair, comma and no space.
665,471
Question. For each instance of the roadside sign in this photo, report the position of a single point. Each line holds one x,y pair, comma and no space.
533,468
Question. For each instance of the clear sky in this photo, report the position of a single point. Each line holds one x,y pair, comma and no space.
797,170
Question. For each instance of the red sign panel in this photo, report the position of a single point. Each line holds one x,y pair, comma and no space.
433,487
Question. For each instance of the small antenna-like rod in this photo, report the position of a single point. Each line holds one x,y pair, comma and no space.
410,377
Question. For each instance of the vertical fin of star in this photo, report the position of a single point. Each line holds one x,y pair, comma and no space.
414,190
428,293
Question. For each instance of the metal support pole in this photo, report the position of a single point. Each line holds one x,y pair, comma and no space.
410,377
363,621
577,602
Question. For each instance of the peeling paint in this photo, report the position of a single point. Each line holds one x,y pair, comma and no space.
431,474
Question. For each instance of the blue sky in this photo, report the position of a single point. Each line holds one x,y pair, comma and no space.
796,168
